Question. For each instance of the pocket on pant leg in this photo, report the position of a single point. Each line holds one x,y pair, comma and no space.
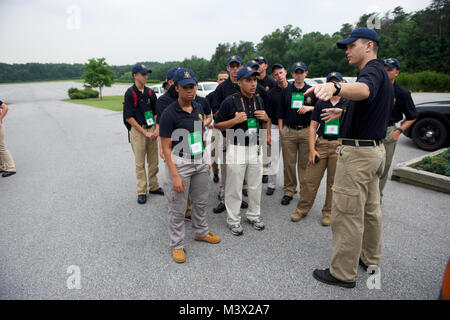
345,200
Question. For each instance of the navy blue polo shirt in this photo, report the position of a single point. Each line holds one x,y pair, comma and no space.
204,103
145,102
228,109
164,101
290,116
1,102
267,83
274,98
174,117
368,119
403,105
320,105
227,88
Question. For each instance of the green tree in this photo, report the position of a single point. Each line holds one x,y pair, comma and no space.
98,74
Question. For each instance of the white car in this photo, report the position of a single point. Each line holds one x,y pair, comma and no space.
158,90
204,88
310,82
320,80
349,79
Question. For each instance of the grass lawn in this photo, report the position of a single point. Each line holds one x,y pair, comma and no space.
114,103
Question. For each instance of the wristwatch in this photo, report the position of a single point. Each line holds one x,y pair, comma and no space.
337,85
399,129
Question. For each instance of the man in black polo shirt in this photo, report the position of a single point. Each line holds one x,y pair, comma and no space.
274,97
139,117
240,117
223,90
7,166
294,115
356,212
263,79
403,105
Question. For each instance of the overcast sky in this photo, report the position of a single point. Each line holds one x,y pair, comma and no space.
126,31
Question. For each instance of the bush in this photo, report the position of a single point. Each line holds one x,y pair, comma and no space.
86,93
426,81
439,164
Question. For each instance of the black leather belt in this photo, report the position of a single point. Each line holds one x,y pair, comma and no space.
330,138
361,143
297,127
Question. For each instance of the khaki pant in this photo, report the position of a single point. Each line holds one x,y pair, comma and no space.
274,155
314,173
389,145
196,179
356,212
6,161
295,157
143,147
243,162
215,165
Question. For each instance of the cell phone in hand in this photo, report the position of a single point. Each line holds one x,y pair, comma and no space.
316,159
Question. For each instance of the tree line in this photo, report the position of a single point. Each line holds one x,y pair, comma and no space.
420,40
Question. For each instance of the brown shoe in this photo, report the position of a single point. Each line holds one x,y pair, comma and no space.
297,217
178,255
326,221
210,238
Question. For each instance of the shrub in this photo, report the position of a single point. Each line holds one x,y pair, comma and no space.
428,81
439,164
86,93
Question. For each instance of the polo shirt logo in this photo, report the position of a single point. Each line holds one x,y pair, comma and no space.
308,100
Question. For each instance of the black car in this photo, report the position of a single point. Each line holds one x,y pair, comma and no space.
431,129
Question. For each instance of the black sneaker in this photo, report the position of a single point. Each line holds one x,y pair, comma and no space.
8,173
270,191
265,178
216,178
244,192
326,277
220,208
244,205
142,198
286,200
365,267
158,191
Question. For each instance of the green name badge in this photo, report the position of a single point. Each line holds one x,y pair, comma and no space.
149,118
196,143
297,100
332,127
253,125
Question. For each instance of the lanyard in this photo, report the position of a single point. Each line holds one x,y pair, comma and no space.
244,108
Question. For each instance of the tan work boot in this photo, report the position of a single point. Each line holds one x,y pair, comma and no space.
210,238
297,217
326,220
178,255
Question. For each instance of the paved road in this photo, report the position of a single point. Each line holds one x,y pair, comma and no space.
73,202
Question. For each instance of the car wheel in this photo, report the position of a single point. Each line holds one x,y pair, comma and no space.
429,134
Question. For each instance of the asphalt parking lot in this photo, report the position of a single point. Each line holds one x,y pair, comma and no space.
73,203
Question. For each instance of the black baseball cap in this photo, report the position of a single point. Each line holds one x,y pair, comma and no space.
359,33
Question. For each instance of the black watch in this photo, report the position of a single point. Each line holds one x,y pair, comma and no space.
337,85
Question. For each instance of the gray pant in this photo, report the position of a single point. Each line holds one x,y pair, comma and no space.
196,179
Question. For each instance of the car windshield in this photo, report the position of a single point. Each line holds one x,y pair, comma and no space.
209,86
